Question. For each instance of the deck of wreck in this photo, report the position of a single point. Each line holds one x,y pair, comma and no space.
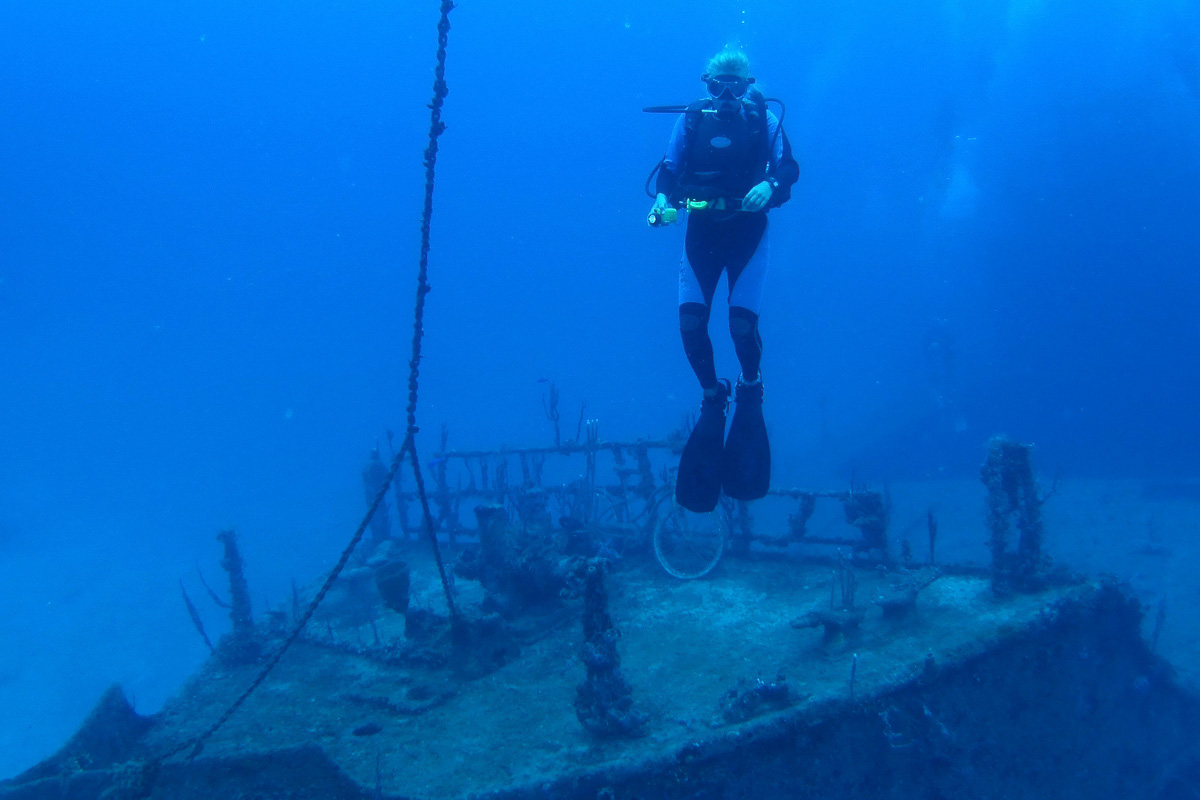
336,720
684,645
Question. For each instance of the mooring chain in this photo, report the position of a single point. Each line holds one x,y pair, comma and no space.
436,128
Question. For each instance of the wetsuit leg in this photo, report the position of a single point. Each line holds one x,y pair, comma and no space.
697,345
748,278
698,481
743,328
746,469
746,284
697,285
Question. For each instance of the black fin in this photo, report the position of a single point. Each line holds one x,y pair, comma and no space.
698,485
746,472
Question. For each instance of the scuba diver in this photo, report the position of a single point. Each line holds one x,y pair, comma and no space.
728,163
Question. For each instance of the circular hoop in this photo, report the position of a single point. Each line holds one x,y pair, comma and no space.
687,544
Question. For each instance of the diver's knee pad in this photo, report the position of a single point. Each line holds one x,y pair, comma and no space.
693,318
693,329
743,329
743,325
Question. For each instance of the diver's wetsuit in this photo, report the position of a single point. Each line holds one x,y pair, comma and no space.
738,155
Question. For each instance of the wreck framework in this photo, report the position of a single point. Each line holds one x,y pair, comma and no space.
629,507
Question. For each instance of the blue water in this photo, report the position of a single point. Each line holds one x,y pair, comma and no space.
208,237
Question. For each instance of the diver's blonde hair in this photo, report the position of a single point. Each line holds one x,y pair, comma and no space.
729,62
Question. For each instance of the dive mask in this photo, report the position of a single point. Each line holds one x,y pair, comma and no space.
734,86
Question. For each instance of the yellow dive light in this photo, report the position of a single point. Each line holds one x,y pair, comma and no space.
660,217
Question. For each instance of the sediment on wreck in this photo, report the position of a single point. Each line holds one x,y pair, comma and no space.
1076,706
1066,701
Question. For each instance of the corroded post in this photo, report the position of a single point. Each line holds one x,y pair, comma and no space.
240,645
603,702
374,473
1012,491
